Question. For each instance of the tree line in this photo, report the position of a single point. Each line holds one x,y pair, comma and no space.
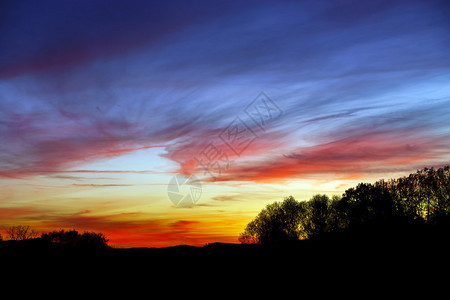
419,200
57,238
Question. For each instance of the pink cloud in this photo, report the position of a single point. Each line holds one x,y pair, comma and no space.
350,157
42,143
193,151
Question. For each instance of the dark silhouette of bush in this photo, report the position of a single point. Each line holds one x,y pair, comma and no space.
93,240
385,207
73,239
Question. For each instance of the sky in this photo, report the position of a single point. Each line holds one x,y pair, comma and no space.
106,105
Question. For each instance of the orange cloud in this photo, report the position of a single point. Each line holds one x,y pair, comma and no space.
344,158
14,212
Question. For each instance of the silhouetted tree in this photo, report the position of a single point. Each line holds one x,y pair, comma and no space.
63,238
250,234
93,240
420,198
321,215
337,219
315,216
423,196
278,222
21,232
368,203
436,186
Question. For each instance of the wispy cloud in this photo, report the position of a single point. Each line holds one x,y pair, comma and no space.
101,185
226,198
177,84
350,157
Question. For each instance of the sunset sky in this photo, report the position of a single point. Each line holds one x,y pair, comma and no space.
102,103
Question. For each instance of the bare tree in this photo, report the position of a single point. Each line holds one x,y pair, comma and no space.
21,232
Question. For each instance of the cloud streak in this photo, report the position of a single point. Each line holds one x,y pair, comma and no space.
100,185
352,157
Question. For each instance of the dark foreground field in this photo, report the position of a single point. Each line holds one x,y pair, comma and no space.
331,256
